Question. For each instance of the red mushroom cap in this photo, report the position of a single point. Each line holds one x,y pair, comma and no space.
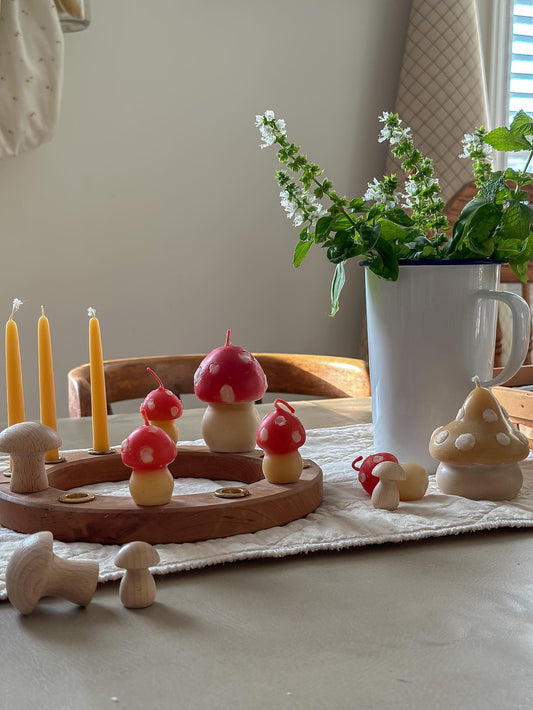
148,448
280,432
229,374
161,404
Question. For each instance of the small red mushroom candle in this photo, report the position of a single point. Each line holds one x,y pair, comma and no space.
162,407
230,380
280,434
148,450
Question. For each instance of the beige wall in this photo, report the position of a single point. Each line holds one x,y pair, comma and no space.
154,203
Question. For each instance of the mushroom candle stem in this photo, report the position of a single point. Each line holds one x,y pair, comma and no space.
14,388
98,394
47,396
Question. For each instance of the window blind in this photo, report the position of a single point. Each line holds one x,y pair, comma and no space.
521,75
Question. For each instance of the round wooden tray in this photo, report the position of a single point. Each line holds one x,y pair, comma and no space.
187,518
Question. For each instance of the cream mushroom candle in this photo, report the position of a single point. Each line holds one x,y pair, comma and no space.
479,451
162,408
147,451
230,380
280,434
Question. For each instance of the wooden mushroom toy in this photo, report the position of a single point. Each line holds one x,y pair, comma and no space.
148,450
34,571
386,495
280,434
162,408
479,451
28,442
230,380
137,587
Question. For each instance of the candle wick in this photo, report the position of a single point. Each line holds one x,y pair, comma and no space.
17,303
91,312
42,311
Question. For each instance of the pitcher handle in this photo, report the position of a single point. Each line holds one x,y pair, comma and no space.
521,317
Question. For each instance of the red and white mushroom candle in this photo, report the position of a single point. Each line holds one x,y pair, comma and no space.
162,408
280,434
230,380
148,451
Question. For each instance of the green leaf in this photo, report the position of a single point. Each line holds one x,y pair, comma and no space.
502,139
337,283
398,216
300,252
392,232
522,124
358,205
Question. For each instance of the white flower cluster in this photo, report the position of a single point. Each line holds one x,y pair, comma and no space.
392,130
377,194
475,147
301,206
413,187
266,124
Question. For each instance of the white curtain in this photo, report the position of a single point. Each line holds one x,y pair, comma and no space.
441,93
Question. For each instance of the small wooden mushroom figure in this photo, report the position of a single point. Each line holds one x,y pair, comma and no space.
230,380
28,442
479,450
34,571
162,408
137,587
280,434
386,495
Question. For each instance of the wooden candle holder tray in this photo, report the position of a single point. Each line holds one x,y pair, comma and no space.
187,518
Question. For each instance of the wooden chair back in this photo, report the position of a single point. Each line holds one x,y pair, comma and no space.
311,375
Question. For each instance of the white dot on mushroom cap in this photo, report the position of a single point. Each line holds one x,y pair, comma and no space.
174,411
460,414
503,439
489,415
263,434
169,392
465,442
377,459
227,394
197,375
150,404
296,437
147,454
362,477
245,357
214,368
153,428
124,446
280,421
441,437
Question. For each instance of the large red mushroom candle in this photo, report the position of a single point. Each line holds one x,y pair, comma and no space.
162,407
230,380
280,434
148,450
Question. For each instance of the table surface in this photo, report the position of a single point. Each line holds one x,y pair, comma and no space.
442,623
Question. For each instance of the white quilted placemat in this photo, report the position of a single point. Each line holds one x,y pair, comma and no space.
345,519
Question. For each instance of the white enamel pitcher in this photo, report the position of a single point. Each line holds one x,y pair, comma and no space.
429,333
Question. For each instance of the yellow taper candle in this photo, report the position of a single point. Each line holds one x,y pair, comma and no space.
98,395
14,389
47,394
